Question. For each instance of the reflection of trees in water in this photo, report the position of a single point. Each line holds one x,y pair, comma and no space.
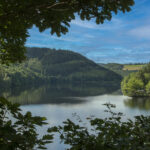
138,102
57,94
27,97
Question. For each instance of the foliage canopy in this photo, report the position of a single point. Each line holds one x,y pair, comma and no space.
16,17
138,83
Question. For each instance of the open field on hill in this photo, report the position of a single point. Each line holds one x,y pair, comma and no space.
133,67
123,69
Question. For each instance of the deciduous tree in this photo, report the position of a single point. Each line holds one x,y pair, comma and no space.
17,16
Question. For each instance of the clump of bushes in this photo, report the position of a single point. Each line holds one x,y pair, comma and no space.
138,83
110,133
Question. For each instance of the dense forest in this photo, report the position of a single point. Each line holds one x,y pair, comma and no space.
52,66
137,84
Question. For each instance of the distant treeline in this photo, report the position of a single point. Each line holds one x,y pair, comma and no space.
142,63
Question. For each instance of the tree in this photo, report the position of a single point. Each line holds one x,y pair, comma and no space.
17,16
137,83
132,85
148,88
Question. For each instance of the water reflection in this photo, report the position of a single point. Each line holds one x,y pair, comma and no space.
142,103
58,103
57,94
93,105
72,94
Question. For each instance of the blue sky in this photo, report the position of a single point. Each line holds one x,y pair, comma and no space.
125,39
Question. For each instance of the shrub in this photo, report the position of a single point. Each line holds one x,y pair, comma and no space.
18,131
107,134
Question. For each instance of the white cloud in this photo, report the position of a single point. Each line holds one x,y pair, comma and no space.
108,25
141,32
68,39
65,39
84,24
89,36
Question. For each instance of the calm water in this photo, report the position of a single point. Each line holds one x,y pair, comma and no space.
58,104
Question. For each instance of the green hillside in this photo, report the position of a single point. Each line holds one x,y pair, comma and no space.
122,69
135,67
71,66
56,66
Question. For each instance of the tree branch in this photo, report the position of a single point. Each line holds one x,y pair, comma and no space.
56,4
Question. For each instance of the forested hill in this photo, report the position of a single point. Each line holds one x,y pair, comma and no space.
65,55
71,64
56,66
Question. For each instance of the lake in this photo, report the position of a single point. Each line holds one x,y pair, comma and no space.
60,103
